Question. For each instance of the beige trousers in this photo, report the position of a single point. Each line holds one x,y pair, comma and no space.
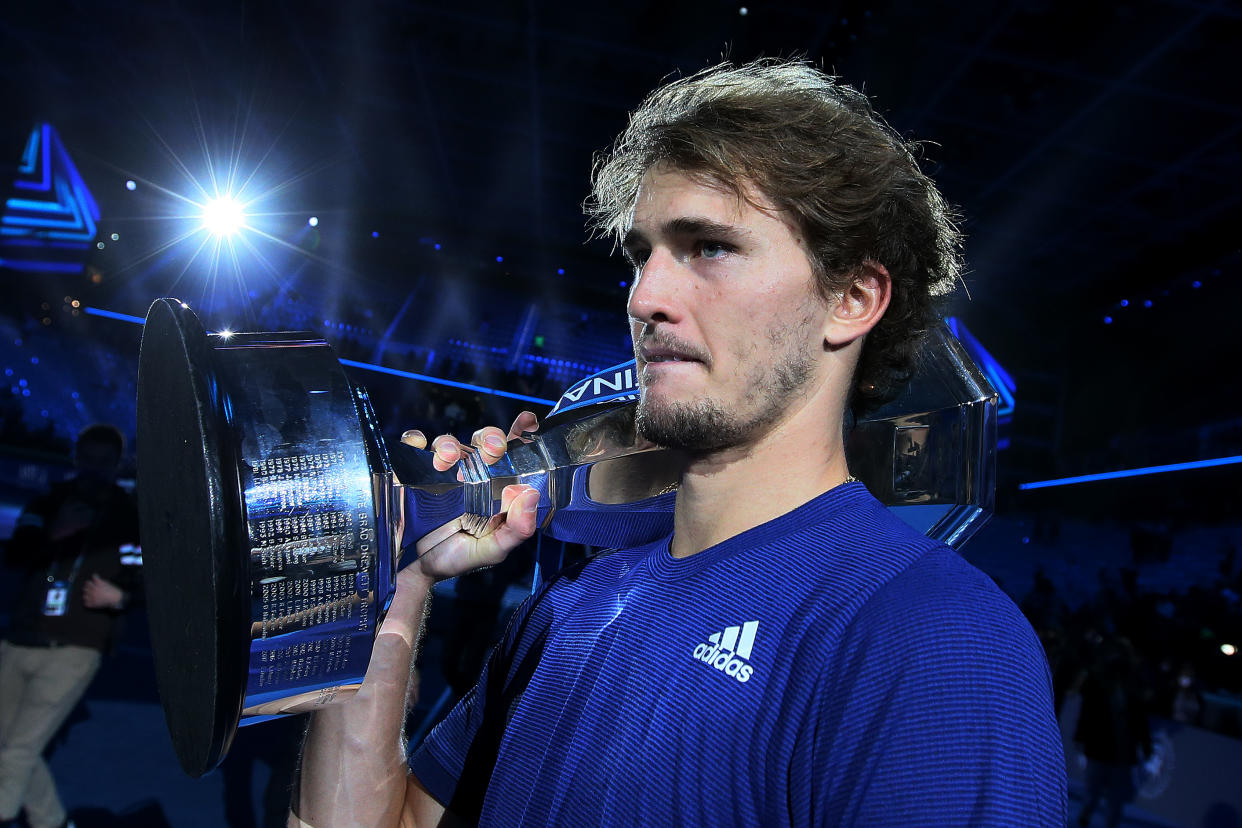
39,686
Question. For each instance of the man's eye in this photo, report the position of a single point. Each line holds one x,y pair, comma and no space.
713,250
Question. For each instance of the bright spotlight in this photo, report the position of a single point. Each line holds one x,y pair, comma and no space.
223,216
224,333
313,221
1228,649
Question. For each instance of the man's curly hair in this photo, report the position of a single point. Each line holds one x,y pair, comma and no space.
815,149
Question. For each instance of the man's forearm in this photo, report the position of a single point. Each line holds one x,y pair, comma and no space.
353,764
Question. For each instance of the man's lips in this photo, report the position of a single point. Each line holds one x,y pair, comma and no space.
658,359
653,353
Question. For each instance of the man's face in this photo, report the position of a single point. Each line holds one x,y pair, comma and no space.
97,462
724,314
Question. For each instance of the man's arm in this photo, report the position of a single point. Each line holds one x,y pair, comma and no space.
30,545
353,765
354,768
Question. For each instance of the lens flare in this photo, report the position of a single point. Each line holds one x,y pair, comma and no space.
224,216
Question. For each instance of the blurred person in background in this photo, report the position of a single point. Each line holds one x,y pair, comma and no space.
1112,728
75,548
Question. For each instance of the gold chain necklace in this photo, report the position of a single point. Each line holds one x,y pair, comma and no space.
672,487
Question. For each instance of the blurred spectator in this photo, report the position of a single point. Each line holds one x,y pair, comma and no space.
1042,606
1187,706
72,545
1112,728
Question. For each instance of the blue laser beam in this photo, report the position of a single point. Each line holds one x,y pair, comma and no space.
1113,475
366,366
39,266
107,314
451,383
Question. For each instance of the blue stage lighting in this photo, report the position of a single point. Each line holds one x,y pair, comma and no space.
131,185
122,317
313,221
53,209
224,216
1170,467
366,366
383,369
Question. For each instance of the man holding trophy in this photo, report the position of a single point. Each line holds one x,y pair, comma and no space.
792,653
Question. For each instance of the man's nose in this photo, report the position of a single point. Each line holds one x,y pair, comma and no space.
655,296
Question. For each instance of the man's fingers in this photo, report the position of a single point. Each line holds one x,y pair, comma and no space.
414,437
521,512
490,442
508,493
526,421
447,450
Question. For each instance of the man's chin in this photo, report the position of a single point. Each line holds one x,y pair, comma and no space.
694,427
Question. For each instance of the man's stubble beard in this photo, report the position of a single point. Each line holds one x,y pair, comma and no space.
707,425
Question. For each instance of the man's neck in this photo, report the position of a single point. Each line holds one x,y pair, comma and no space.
724,493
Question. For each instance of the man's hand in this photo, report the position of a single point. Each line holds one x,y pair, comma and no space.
102,594
448,551
354,768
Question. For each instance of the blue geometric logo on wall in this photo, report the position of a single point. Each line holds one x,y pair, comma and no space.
49,219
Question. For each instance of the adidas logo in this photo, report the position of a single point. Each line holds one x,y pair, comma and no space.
728,650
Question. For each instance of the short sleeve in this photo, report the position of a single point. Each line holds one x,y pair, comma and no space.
454,763
936,710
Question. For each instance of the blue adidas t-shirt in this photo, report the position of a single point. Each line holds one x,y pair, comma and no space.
829,667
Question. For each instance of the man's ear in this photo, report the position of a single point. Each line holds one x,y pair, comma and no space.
860,306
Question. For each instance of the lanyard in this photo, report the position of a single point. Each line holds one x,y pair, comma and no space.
73,573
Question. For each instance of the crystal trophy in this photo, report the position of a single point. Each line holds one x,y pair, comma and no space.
275,517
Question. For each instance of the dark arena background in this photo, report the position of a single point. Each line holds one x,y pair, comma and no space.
405,180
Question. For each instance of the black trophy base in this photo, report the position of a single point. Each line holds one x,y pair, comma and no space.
193,539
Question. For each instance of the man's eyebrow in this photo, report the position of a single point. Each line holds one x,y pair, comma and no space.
699,226
687,226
